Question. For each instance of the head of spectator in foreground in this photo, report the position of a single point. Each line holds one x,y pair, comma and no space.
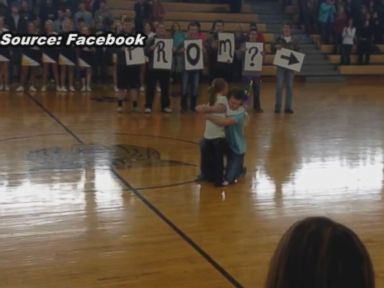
252,26
31,27
67,25
319,253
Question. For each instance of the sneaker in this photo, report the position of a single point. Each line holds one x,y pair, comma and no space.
64,89
115,88
32,88
89,89
158,89
43,88
288,111
72,89
225,183
58,88
142,89
20,89
277,111
119,109
1,87
243,172
6,88
147,110
259,110
136,109
167,110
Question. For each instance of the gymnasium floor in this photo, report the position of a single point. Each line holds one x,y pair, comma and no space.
92,198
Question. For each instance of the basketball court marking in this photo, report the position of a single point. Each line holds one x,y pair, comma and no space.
146,202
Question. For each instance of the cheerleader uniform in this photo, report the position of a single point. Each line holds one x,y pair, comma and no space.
67,55
31,56
4,51
86,57
50,55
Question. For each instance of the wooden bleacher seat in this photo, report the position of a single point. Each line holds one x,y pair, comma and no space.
374,59
179,6
361,69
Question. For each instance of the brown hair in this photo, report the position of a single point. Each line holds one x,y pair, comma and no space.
218,85
319,253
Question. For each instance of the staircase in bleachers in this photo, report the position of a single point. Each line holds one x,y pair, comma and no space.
316,66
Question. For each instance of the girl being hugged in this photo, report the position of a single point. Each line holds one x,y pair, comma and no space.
213,144
50,58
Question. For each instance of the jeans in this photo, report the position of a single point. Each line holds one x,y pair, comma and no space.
235,166
346,54
190,86
212,159
284,77
154,76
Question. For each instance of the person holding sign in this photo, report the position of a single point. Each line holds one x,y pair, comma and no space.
214,46
252,78
193,64
50,58
158,68
284,76
128,76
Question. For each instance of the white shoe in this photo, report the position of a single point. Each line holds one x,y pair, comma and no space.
1,87
119,109
147,110
20,89
58,89
142,89
72,89
136,109
6,88
63,89
167,110
43,88
83,89
89,89
32,88
115,88
158,89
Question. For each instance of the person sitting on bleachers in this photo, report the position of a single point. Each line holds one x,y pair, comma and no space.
319,252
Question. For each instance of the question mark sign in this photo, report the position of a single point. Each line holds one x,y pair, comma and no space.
253,55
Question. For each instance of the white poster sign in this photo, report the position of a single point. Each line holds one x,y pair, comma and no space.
162,55
193,55
134,56
289,59
253,60
226,47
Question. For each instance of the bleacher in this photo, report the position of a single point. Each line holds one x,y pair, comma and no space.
184,13
376,66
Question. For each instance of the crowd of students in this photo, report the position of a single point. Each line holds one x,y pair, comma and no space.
345,23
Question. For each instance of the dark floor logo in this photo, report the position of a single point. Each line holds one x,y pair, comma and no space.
88,156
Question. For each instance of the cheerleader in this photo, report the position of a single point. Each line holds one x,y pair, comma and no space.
67,60
128,77
86,61
30,61
118,30
4,61
50,58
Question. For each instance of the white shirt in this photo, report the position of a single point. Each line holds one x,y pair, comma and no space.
349,35
213,131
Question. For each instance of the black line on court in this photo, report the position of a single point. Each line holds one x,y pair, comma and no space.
54,118
166,185
184,236
152,207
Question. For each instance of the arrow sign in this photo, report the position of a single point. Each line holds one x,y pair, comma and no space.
289,59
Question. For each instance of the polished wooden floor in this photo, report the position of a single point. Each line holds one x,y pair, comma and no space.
92,198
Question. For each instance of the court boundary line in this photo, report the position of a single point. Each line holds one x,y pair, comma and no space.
152,207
